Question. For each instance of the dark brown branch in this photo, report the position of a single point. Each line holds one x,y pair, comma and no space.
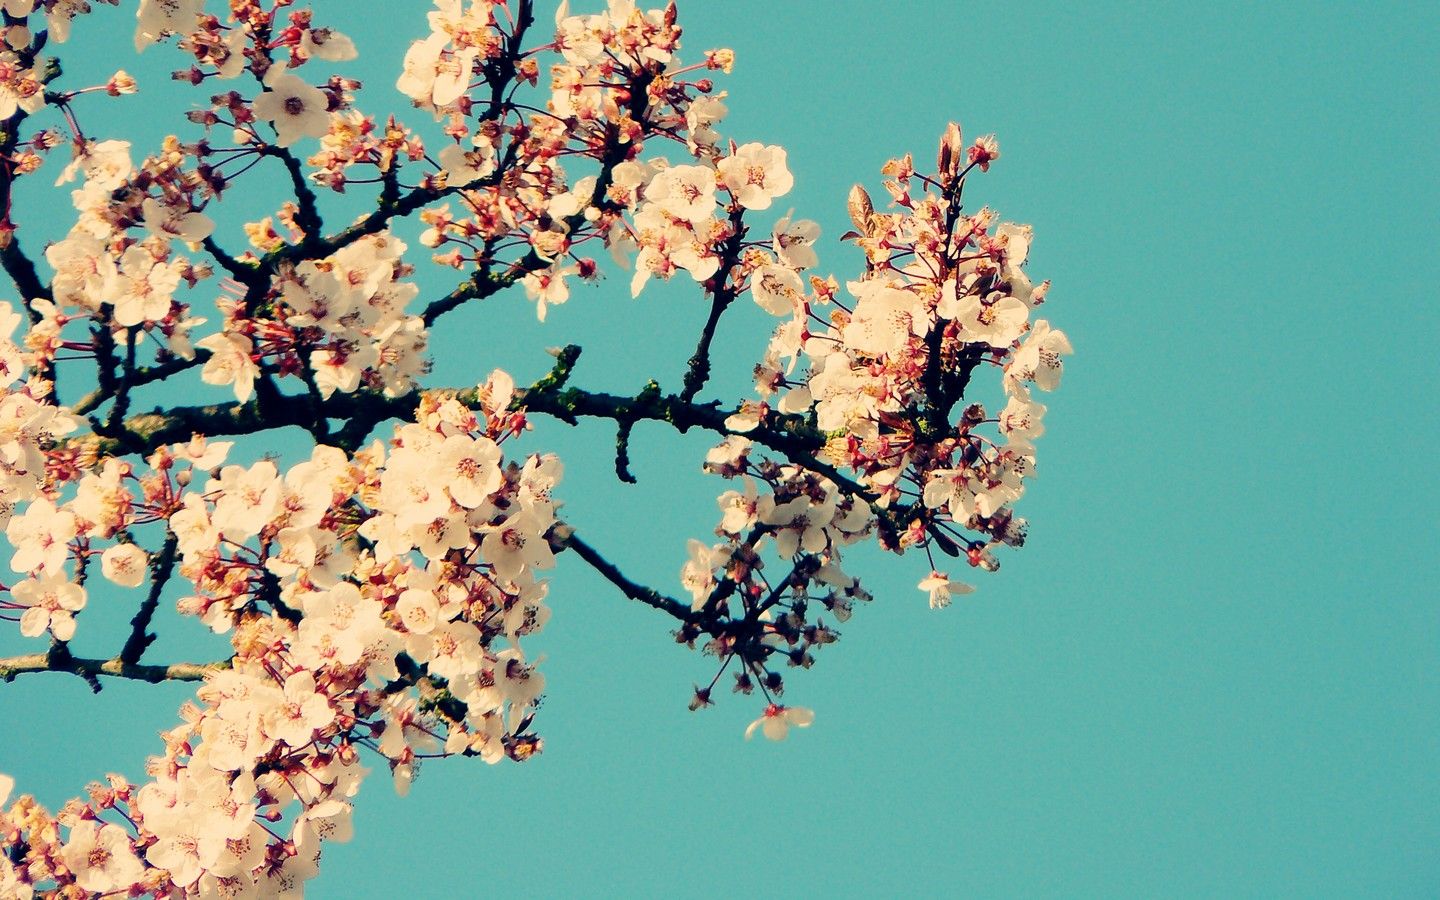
622,453
308,217
146,432
17,265
631,589
121,407
790,436
142,375
160,570
722,295
374,223
21,269
478,286
244,273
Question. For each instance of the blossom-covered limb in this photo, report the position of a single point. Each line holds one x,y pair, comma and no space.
502,70
144,433
483,282
500,74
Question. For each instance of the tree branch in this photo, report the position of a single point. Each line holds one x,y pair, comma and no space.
309,216
631,589
790,436
115,668
722,295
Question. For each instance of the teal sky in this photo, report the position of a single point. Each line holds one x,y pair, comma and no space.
1214,670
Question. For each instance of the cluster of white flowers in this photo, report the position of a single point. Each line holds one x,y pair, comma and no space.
376,601
22,87
943,296
438,70
118,259
53,539
591,44
675,224
27,421
355,301
607,59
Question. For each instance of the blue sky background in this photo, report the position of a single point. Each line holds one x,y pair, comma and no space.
1214,669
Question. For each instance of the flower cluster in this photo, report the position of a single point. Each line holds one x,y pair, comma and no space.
375,601
943,295
618,83
118,265
343,317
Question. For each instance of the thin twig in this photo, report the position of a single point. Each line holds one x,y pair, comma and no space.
160,571
631,589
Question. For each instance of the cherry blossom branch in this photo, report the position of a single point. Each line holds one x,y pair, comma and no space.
379,220
788,435
242,272
147,432
89,669
478,286
17,265
102,338
499,72
483,283
127,374
292,308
